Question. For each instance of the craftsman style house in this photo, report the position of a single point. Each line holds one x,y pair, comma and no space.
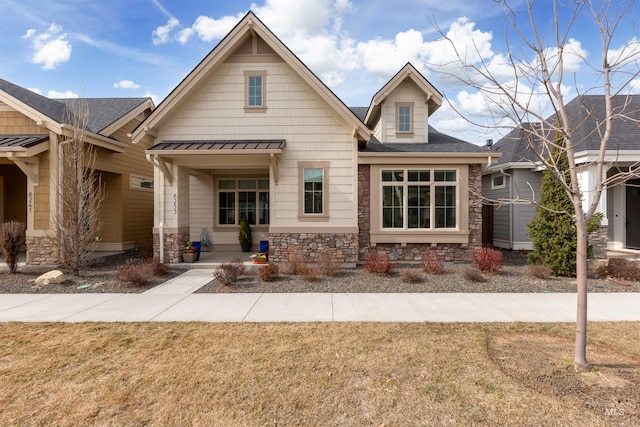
518,174
32,127
252,132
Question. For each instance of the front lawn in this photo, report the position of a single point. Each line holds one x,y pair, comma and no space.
316,374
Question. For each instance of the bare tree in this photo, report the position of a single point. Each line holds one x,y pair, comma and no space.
77,224
536,66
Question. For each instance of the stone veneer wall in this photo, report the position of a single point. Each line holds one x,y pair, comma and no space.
174,244
41,251
343,247
598,241
413,251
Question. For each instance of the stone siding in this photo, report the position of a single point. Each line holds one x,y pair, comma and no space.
174,244
41,251
598,241
413,251
343,247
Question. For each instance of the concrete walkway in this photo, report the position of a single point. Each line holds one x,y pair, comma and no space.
174,301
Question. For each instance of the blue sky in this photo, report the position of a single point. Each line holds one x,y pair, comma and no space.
124,48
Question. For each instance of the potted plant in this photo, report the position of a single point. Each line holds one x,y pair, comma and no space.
244,234
259,258
189,255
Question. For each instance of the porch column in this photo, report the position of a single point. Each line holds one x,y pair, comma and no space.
171,210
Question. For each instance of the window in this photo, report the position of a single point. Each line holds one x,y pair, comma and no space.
255,82
313,190
243,197
497,181
140,183
404,119
411,198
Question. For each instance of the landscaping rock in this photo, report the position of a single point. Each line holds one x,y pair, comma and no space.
53,276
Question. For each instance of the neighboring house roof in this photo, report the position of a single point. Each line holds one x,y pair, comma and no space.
587,112
105,111
360,112
249,24
433,97
106,115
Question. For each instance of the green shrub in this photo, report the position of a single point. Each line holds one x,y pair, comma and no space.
553,230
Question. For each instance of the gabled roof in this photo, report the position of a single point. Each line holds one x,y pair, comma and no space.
432,95
587,112
228,45
103,112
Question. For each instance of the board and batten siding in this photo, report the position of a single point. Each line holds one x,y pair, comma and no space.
296,113
501,213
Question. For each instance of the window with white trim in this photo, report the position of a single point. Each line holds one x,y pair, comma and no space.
404,119
140,183
497,181
313,195
419,199
243,197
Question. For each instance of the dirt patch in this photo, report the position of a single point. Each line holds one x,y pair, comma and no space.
544,363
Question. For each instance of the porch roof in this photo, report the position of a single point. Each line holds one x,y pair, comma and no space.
20,142
220,147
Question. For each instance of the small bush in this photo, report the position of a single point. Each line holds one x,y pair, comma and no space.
411,275
269,273
473,274
157,268
308,274
226,273
293,264
327,265
12,237
135,274
432,263
487,260
539,271
378,263
240,267
622,268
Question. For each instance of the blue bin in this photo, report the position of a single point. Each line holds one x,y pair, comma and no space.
264,247
197,246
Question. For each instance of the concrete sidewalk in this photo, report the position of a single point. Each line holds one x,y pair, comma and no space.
174,301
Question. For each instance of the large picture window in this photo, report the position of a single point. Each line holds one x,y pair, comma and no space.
243,197
419,199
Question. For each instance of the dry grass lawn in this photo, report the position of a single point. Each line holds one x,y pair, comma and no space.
201,374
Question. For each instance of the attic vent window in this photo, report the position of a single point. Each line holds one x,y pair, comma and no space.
255,85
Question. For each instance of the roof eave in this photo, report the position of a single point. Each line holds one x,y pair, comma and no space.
122,121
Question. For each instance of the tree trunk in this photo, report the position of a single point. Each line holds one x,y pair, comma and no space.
580,353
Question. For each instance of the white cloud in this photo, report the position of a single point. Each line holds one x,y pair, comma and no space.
162,33
35,90
634,87
626,54
154,97
65,94
209,29
50,48
384,58
126,84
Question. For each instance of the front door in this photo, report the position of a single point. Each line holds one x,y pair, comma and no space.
633,214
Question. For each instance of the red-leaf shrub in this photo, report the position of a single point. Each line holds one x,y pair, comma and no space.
378,263
432,263
487,260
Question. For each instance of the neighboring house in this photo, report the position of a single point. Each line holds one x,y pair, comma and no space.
251,131
32,127
517,173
